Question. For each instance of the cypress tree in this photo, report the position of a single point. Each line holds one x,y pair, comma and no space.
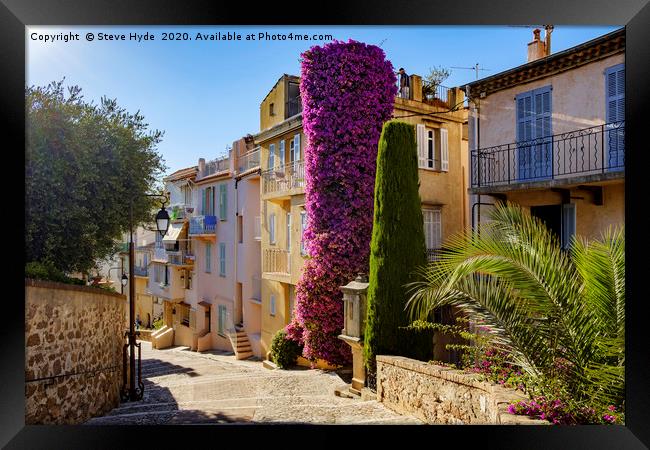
397,246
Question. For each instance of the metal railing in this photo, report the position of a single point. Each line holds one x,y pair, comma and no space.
436,95
249,160
160,254
293,107
180,258
216,165
203,225
588,151
180,211
257,228
283,178
276,260
140,271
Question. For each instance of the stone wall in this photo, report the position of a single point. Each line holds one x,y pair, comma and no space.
73,354
440,395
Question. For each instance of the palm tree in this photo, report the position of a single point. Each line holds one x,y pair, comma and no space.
541,303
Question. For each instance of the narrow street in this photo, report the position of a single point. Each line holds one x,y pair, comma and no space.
183,387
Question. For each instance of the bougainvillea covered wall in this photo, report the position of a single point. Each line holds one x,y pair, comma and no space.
347,91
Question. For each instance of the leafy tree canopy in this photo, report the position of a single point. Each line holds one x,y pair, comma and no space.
84,164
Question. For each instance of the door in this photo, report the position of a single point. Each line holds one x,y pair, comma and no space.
551,215
615,117
534,135
239,310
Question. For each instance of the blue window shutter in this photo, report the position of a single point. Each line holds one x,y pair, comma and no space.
524,133
615,115
568,224
203,202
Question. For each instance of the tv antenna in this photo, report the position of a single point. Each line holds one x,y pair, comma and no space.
476,68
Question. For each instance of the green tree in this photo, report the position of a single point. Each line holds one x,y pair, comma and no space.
397,246
435,77
560,315
84,162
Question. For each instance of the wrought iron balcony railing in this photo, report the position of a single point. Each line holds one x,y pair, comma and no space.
180,211
284,178
180,258
249,160
216,165
140,271
294,106
588,151
276,260
203,225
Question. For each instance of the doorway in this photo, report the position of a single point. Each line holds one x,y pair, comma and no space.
239,312
551,215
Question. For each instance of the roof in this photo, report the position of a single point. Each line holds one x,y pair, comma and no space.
593,50
188,172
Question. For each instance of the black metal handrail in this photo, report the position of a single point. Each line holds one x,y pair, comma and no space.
586,151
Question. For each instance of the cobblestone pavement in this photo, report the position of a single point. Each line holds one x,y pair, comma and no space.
183,387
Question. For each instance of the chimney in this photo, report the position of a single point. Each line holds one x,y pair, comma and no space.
201,167
536,48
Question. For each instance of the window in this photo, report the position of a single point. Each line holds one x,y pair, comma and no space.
303,225
187,279
185,314
223,202
208,257
289,231
292,300
207,201
534,113
271,109
271,156
615,116
281,154
157,273
568,224
222,259
240,229
272,229
432,228
292,150
296,147
221,323
272,305
187,195
433,148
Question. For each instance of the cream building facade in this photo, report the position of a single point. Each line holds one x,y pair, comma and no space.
549,135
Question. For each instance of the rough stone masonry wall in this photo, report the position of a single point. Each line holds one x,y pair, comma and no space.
73,354
440,395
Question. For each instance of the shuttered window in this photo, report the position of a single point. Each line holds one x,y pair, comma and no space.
208,257
421,138
223,202
303,225
222,259
221,319
568,224
289,231
534,113
272,305
272,229
296,147
281,153
614,115
207,201
432,228
271,156
444,149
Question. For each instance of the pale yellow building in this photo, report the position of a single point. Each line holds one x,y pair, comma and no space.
550,135
442,151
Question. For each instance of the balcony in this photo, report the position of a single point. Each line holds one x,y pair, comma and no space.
293,107
582,156
160,254
276,260
180,258
215,166
285,180
203,226
249,160
180,211
140,271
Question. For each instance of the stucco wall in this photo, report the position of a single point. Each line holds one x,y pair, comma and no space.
439,395
73,353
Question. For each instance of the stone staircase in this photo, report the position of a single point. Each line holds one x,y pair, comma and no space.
240,343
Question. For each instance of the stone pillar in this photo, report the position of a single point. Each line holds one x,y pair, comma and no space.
415,92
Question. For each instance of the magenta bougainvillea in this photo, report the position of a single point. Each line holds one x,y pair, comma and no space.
347,91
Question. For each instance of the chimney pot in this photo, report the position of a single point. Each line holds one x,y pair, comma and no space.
536,48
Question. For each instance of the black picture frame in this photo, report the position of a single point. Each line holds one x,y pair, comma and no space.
633,14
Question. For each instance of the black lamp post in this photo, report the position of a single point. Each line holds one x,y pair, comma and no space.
131,392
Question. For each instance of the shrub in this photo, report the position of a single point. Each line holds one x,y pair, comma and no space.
397,246
158,323
284,350
347,91
46,271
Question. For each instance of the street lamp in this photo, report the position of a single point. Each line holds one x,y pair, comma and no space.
131,392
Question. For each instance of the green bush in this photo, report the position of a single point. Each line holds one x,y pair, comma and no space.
284,351
397,246
44,271
158,324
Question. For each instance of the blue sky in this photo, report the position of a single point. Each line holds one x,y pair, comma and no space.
206,94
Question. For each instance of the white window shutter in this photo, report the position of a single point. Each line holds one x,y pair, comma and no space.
444,149
437,228
421,137
281,156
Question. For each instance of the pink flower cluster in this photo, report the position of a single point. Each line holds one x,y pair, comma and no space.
559,413
347,91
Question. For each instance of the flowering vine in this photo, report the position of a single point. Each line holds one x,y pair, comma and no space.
347,91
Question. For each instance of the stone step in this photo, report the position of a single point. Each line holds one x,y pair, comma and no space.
244,355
